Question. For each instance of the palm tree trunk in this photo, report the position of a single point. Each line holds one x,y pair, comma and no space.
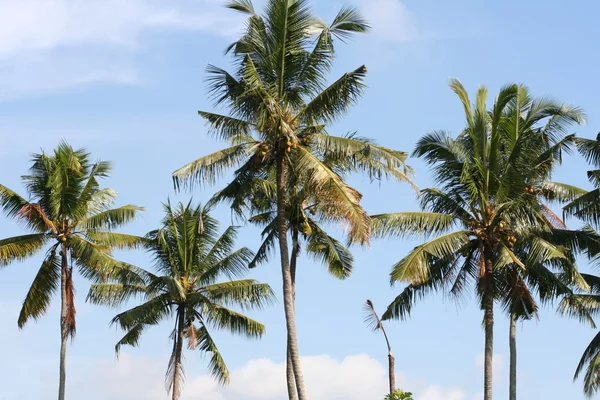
177,355
489,330
64,330
392,375
288,299
291,381
513,357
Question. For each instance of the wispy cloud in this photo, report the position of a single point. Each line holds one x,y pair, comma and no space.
52,44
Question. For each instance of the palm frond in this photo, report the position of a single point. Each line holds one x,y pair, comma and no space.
347,22
370,316
339,201
114,294
336,99
11,202
131,338
243,6
119,241
330,252
110,219
415,267
149,313
20,248
410,223
247,294
216,364
44,286
234,322
227,128
210,167
591,358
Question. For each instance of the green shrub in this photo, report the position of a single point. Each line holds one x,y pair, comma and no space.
399,395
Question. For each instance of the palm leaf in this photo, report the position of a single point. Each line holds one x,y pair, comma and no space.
20,248
415,267
410,223
248,294
330,252
44,286
110,219
209,167
216,364
335,100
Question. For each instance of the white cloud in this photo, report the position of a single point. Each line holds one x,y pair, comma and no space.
391,20
435,392
51,44
357,377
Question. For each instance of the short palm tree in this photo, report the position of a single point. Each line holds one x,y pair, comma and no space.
190,257
68,212
280,106
483,208
374,322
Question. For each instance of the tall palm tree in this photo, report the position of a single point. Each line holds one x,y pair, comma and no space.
190,258
374,322
522,284
280,106
482,209
305,225
586,208
68,212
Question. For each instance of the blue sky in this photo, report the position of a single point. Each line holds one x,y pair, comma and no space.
125,80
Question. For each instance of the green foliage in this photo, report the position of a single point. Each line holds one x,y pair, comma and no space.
488,208
399,395
191,258
585,305
66,207
279,105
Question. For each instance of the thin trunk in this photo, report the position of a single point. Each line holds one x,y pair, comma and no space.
513,358
288,299
177,378
489,329
64,314
291,382
392,375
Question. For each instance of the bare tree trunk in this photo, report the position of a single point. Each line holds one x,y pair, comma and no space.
513,357
291,381
177,384
288,299
64,330
489,330
392,374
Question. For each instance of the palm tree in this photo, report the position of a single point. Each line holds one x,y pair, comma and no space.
190,258
585,305
68,212
280,107
485,196
305,224
374,322
521,284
